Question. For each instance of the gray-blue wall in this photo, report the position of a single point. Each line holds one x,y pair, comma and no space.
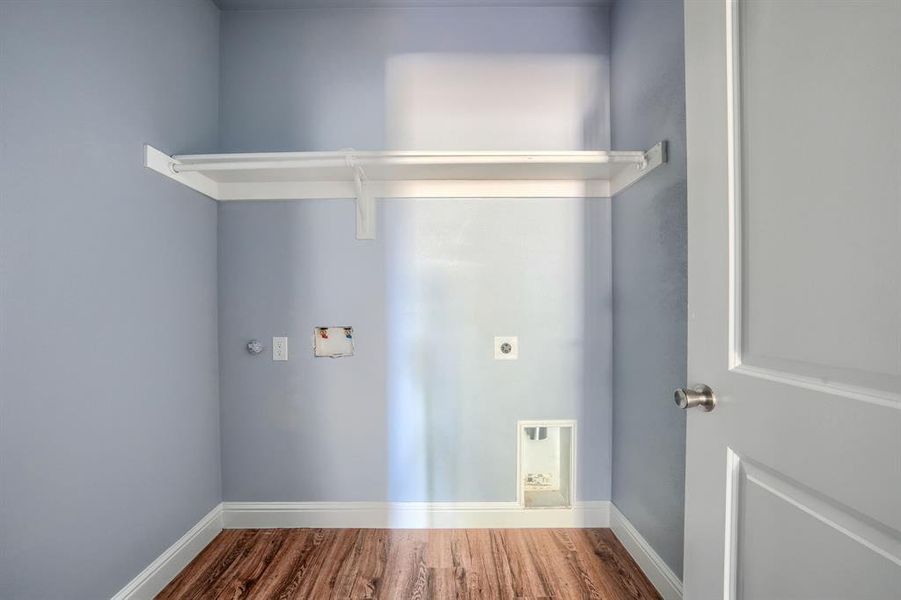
109,379
109,441
423,411
649,275
316,79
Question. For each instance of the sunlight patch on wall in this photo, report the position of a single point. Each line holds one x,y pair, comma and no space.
497,102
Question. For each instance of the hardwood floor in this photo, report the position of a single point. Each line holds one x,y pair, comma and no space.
282,564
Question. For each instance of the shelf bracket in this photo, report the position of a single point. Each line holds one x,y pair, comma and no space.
365,204
652,159
164,164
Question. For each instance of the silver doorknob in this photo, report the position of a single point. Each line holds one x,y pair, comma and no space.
699,395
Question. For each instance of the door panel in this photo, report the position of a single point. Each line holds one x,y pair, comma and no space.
793,482
819,190
832,551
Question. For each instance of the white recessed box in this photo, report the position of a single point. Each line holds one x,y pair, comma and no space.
546,463
333,342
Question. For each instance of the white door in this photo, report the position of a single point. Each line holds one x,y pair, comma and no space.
793,481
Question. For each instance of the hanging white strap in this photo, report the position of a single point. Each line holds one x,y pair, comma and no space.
365,203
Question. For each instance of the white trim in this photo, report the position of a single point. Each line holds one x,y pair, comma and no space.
730,547
410,515
176,557
667,583
860,529
734,177
861,394
372,158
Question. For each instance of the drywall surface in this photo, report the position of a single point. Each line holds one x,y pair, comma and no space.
649,275
109,442
422,412
373,79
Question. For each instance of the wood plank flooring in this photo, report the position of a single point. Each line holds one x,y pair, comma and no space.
283,564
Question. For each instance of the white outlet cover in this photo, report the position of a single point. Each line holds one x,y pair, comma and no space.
279,348
506,347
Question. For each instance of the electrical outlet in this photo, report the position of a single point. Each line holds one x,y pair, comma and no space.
279,348
506,347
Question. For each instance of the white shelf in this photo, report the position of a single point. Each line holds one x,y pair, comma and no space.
369,175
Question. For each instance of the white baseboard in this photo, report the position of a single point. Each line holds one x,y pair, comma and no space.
167,565
410,515
668,585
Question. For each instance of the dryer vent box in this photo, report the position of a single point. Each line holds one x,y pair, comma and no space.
546,463
333,342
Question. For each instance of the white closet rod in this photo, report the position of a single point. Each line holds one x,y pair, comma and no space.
351,160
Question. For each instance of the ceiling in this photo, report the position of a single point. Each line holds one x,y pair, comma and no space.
283,4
